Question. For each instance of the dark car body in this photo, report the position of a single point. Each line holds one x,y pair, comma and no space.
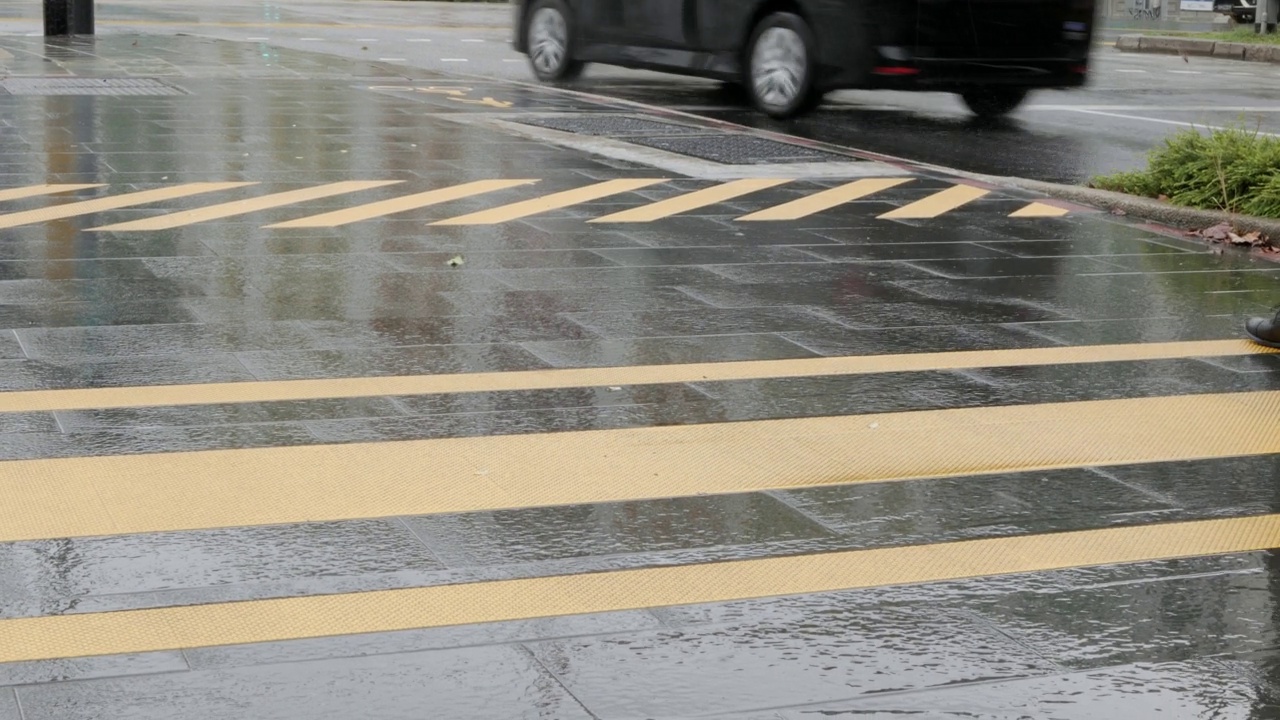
1242,11
930,44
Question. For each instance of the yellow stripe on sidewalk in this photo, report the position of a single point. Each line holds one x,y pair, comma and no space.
825,200
68,497
1039,210
242,207
937,203
39,190
295,618
547,203
114,202
243,392
691,201
338,218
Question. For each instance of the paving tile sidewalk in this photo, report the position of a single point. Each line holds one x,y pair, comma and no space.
232,300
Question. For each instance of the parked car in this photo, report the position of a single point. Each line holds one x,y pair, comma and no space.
788,53
1242,11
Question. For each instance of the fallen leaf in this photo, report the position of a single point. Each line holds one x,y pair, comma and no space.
1216,233
1163,198
456,261
1118,211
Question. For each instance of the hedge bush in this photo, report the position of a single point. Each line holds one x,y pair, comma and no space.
1233,169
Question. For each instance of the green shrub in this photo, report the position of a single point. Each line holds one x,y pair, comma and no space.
1233,169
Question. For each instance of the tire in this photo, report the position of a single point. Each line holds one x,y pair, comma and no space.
778,66
548,32
993,102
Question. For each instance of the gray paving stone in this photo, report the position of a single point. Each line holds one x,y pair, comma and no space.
415,360
350,646
463,683
61,576
660,351
121,372
802,650
542,534
87,668
1191,689
705,322
944,509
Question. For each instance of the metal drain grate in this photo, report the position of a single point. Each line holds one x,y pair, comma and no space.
741,150
610,125
88,86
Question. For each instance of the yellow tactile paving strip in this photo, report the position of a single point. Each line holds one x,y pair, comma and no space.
825,200
67,497
339,218
937,203
932,206
114,202
173,628
554,201
243,207
39,190
241,392
691,201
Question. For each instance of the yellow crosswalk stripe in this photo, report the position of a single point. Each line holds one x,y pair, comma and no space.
555,201
825,200
39,190
691,201
270,391
114,202
294,618
1039,210
937,203
338,218
242,207
68,497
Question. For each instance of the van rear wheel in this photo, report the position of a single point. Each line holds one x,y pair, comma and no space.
993,102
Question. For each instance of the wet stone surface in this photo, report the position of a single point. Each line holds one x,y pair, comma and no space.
229,299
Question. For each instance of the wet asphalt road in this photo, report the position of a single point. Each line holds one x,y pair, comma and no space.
1132,103
508,410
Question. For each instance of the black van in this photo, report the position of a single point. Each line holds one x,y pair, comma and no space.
788,53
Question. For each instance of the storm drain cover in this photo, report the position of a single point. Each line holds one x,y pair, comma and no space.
740,150
610,125
88,86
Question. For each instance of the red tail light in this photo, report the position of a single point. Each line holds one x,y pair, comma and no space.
896,71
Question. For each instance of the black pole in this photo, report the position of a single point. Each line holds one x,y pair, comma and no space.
68,17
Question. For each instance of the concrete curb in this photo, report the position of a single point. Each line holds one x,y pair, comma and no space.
1157,44
1183,218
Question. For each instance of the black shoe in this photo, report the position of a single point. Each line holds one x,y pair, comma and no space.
1264,331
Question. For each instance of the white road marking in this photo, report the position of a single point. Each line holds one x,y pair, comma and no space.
472,40
512,59
1124,70
309,39
418,40
257,39
1158,121
1162,108
390,59
1185,72
366,39
453,59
